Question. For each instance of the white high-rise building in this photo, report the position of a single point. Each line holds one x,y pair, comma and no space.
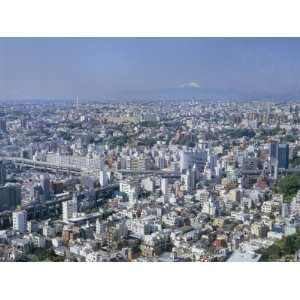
103,178
69,208
164,186
20,220
100,227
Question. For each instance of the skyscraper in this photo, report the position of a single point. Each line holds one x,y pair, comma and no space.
283,156
3,126
273,151
2,173
279,153
164,186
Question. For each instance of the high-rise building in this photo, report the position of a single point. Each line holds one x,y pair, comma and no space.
69,209
273,151
103,178
3,126
188,159
10,196
2,173
45,184
283,156
100,227
20,221
279,153
164,186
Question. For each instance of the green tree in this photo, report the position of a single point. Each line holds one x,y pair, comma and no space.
289,186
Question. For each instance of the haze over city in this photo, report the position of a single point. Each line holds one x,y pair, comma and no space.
149,68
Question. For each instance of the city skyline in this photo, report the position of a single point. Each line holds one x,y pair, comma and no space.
142,152
149,68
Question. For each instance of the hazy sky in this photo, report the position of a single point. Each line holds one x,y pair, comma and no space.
100,68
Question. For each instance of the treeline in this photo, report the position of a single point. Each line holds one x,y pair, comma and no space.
283,250
289,186
239,133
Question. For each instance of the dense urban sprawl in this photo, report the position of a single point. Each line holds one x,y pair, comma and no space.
150,181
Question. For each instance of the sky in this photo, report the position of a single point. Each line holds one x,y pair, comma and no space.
149,68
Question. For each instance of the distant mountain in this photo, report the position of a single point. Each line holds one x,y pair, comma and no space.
182,93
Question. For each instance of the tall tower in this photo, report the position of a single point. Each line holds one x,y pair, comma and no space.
164,186
2,173
283,156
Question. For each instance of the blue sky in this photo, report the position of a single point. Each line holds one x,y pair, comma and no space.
125,68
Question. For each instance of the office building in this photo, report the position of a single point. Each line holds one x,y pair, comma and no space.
20,221
3,125
283,156
164,186
2,172
103,178
10,196
189,158
279,153
273,151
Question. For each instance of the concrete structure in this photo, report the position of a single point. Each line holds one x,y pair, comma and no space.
20,221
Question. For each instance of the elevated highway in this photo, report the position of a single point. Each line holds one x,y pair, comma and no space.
42,165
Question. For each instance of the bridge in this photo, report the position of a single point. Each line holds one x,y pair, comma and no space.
69,169
43,165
